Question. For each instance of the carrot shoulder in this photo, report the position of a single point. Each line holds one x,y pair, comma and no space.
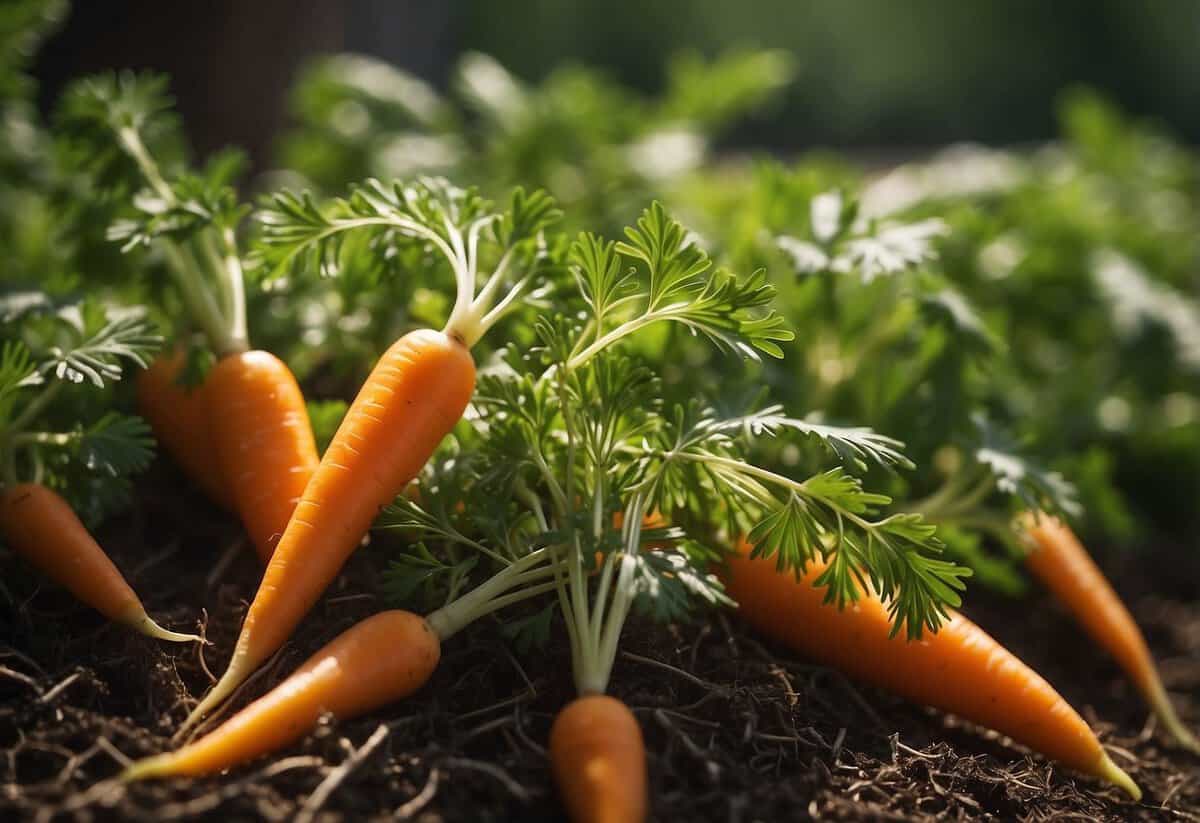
411,400
38,524
960,669
1060,561
383,658
180,420
263,441
599,761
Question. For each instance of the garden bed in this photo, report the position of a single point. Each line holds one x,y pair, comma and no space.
736,729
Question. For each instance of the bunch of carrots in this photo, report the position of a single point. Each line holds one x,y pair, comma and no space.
598,540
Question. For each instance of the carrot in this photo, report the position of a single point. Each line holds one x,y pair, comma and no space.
411,400
960,669
244,436
180,420
599,761
263,440
39,525
383,658
1060,561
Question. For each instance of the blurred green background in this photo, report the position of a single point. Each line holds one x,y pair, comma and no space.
874,74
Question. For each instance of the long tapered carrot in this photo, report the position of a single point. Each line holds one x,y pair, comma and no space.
960,669
263,440
383,658
39,525
599,761
412,399
1060,561
180,420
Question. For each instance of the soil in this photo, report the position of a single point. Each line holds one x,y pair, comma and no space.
736,729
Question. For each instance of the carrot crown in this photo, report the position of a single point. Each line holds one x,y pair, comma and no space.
455,224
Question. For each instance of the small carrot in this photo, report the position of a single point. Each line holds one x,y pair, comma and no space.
1060,561
599,761
411,400
383,658
243,436
263,440
39,525
960,669
179,418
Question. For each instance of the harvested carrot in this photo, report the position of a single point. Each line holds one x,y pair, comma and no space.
263,441
960,669
180,420
599,761
383,658
411,400
1060,561
39,525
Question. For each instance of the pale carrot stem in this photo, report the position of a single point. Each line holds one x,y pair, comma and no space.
148,627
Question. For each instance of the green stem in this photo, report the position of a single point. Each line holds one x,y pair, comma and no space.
453,617
225,337
199,300
35,407
992,523
776,479
131,141
43,438
973,498
611,337
236,279
951,487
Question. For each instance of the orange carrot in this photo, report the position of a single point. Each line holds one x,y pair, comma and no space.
599,761
39,525
383,658
180,420
960,669
263,440
411,400
1060,561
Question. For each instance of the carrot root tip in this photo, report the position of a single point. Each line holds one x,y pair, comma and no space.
148,627
158,765
1160,703
224,687
1110,771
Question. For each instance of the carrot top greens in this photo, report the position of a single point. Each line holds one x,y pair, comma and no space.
56,362
573,444
121,132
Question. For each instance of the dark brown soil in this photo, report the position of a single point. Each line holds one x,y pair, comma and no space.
736,729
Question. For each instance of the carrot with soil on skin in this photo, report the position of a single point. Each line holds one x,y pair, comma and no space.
40,526
412,399
599,761
1059,560
179,417
960,669
386,657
